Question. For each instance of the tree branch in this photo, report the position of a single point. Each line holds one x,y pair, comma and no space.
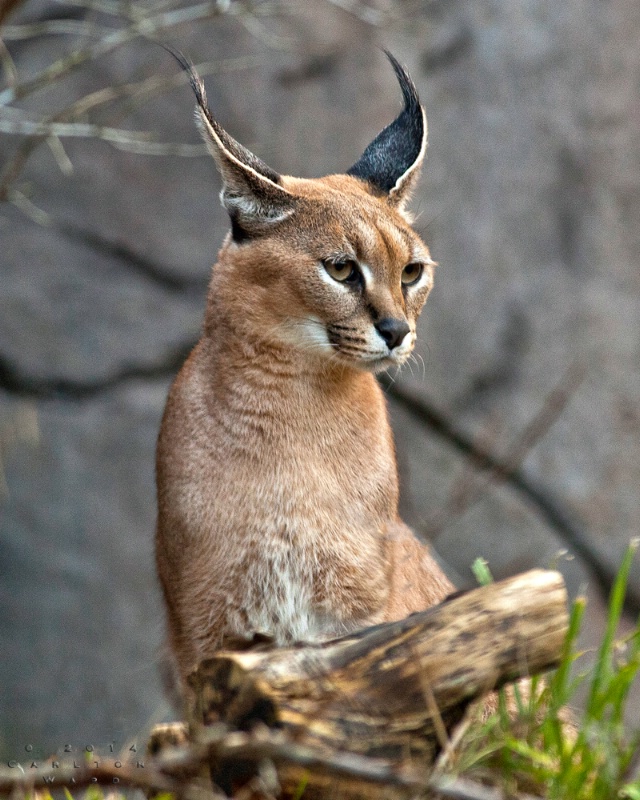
147,26
347,717
550,508
14,382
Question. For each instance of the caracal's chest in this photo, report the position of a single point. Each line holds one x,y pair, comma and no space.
300,533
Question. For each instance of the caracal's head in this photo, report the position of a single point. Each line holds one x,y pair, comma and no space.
329,266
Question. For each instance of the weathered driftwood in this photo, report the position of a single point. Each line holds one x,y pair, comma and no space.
359,717
392,691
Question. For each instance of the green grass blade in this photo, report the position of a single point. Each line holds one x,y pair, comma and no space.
560,684
481,571
604,663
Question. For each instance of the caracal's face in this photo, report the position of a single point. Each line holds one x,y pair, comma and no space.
345,276
329,267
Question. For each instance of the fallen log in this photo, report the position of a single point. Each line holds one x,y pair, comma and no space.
392,692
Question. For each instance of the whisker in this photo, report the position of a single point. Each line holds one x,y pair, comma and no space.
393,378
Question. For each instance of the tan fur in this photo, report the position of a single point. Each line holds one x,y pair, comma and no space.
276,471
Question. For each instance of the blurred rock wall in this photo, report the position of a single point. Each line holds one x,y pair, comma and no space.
530,201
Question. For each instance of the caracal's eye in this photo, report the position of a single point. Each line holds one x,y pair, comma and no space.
412,273
344,271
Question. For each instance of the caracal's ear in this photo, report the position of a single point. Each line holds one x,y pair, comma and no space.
391,163
251,191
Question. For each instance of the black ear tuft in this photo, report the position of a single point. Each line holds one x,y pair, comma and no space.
395,155
233,147
252,192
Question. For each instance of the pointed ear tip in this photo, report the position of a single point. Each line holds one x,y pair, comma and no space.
177,54
187,66
405,80
392,58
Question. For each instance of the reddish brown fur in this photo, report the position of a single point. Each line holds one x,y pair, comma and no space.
276,471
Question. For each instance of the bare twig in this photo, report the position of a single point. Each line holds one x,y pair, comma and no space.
166,771
468,487
138,91
164,277
112,7
29,209
74,776
140,21
153,85
60,154
160,772
132,11
135,141
365,13
258,30
447,753
148,26
337,744
173,769
542,499
14,382
471,489
49,27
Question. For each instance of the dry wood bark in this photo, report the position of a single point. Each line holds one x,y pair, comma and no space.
390,692
361,717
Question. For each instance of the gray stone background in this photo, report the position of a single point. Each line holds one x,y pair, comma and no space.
530,201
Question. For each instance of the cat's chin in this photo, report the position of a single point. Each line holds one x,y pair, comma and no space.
384,364
377,365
